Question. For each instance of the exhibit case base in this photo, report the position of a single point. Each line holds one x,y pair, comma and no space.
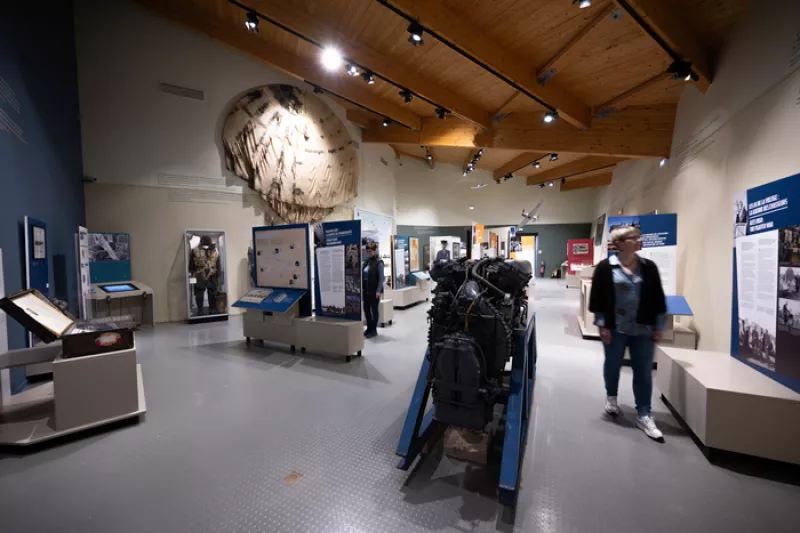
330,336
86,392
407,296
271,327
730,406
106,301
573,281
386,313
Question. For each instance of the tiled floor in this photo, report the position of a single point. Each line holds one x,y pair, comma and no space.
226,424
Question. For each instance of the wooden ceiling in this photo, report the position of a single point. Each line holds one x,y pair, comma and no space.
497,66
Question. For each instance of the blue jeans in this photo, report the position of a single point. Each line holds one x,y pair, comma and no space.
641,350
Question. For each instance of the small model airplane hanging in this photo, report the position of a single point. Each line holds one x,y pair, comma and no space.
530,215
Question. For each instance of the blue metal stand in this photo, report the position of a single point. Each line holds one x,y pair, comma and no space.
417,427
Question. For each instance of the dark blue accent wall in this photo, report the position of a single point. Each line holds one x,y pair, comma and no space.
40,176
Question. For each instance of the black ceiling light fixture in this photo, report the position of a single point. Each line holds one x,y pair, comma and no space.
550,117
563,181
386,122
541,185
318,89
553,157
416,30
251,22
351,70
682,70
406,95
536,164
441,113
369,77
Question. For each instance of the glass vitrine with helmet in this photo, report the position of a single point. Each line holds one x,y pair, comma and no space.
206,275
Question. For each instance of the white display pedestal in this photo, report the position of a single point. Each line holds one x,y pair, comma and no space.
86,392
330,336
408,296
271,327
730,406
586,317
386,312
137,303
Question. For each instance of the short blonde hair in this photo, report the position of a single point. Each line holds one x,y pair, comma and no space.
620,233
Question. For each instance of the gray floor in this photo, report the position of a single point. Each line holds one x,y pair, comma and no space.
226,424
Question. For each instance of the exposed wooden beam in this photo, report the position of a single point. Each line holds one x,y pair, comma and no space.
313,28
521,161
456,30
498,114
557,60
663,19
362,119
574,168
633,132
597,180
297,67
618,102
415,156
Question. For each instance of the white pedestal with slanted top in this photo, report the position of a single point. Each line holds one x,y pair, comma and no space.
729,405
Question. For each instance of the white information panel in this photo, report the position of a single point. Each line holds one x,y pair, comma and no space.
282,258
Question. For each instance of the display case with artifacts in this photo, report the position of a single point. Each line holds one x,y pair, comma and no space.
206,275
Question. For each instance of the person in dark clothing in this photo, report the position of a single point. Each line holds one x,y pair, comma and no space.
630,308
372,288
444,253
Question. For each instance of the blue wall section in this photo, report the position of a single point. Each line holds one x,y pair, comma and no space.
40,177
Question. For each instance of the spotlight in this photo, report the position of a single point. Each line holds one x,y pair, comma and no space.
386,122
553,157
470,165
369,77
541,185
583,4
482,150
331,59
549,183
465,173
508,176
663,162
428,157
471,207
681,70
352,70
318,89
406,95
536,164
441,113
563,181
252,22
416,30
550,117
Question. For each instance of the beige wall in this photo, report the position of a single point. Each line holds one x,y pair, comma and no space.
442,196
137,141
743,132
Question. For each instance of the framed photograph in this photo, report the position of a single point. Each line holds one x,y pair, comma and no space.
39,245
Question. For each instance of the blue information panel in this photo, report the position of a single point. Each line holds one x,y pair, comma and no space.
337,269
659,243
765,317
109,257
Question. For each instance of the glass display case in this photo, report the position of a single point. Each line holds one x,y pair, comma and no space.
206,275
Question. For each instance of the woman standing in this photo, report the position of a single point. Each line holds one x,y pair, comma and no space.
629,307
372,288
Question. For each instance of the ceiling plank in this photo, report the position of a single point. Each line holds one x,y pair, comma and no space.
666,22
574,168
341,86
557,60
619,102
362,119
455,29
598,180
313,28
521,161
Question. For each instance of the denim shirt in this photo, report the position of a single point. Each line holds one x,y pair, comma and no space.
626,292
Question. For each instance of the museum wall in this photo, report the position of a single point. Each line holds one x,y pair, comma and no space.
40,151
743,132
551,241
158,159
441,197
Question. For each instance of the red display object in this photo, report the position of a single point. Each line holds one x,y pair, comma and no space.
580,253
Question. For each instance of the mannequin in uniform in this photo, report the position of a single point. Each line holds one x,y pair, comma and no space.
205,267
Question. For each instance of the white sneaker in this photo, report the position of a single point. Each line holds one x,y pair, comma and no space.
611,406
648,425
